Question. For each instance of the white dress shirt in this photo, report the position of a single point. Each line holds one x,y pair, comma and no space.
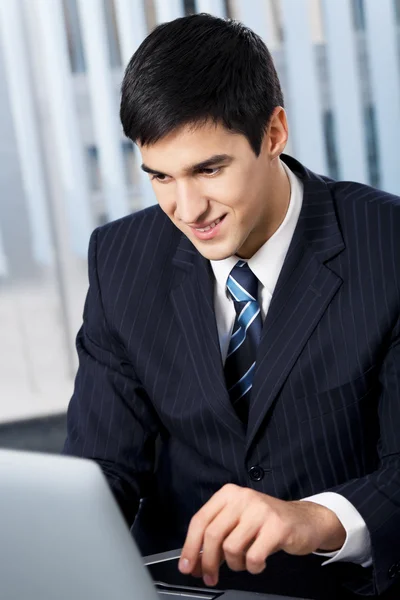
266,264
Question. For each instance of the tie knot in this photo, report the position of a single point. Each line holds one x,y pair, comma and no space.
242,283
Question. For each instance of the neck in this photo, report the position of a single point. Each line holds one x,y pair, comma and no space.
278,204
280,198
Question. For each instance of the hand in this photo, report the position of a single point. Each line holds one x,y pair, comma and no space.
244,527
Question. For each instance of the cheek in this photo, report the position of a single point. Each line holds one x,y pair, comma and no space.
247,212
229,191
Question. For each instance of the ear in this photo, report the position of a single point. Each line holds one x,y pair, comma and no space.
276,134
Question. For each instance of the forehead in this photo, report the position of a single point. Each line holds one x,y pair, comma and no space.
190,145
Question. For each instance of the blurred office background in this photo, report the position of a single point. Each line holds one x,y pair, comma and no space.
66,168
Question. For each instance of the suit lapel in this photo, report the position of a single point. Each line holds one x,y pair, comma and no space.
303,292
192,298
305,288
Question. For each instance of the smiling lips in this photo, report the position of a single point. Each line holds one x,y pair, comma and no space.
211,226
210,231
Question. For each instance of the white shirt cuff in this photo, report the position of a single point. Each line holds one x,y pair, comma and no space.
357,546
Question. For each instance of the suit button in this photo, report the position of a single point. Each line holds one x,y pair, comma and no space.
256,473
393,571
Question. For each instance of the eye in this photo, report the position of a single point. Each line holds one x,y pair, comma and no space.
210,171
160,178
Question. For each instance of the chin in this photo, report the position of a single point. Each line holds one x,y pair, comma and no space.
217,250
215,254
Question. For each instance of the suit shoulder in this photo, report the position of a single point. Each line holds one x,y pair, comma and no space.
134,222
137,239
137,230
367,215
362,197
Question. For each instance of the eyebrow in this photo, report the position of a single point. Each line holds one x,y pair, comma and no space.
204,164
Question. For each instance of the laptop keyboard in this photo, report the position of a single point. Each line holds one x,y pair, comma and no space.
170,592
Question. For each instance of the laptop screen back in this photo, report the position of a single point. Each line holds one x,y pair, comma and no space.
62,534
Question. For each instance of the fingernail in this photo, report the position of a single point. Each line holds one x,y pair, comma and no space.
209,580
184,564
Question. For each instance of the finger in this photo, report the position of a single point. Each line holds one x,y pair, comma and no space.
214,536
212,580
267,542
198,571
236,544
236,562
198,524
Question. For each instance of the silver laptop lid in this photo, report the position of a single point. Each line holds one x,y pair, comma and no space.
62,535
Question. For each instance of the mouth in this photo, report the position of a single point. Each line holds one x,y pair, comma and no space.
210,231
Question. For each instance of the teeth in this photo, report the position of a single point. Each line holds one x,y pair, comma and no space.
209,226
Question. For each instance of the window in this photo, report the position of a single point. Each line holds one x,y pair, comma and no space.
358,9
93,168
276,12
112,34
228,9
330,144
130,168
397,10
129,163
74,36
189,7
372,145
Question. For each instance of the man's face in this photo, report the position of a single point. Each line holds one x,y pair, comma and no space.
213,187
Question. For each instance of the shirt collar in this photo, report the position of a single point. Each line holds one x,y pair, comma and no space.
267,262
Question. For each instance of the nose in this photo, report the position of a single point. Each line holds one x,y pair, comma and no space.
190,203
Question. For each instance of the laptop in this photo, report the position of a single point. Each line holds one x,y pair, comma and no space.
63,536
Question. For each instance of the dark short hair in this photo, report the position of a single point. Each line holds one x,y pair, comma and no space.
196,69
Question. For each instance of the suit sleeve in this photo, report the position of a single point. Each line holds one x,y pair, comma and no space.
110,418
376,496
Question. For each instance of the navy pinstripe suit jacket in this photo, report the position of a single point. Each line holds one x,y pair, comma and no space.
325,407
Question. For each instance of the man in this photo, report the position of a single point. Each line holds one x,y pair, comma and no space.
248,328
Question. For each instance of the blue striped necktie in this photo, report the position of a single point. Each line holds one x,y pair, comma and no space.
240,362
